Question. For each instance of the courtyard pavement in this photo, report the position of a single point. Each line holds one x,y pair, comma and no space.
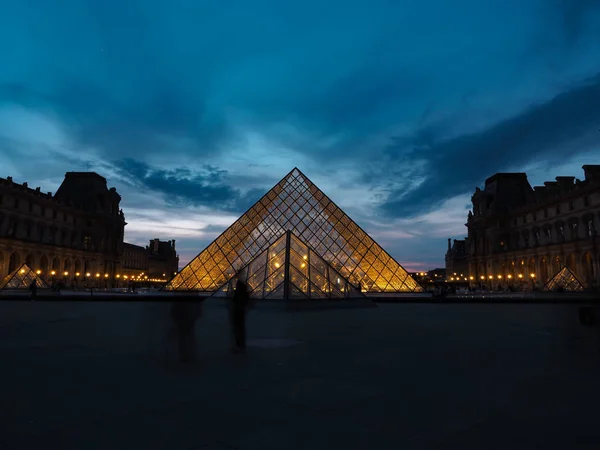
401,376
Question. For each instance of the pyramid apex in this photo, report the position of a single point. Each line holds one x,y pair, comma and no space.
296,206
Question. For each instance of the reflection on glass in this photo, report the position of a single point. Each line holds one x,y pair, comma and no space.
295,204
564,280
22,278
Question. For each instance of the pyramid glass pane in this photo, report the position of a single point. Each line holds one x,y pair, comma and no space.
22,278
296,293
299,280
296,277
564,280
296,204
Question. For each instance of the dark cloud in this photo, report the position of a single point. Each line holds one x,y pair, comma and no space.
96,118
574,14
184,187
544,132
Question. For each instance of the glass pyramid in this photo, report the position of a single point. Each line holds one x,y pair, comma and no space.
564,280
290,269
296,204
22,278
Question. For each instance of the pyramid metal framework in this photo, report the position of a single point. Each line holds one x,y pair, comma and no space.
565,280
22,278
290,269
295,204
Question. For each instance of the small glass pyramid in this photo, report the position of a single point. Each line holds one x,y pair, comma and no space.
564,280
296,204
290,269
22,278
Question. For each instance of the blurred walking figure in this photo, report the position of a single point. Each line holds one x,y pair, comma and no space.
184,315
156,328
33,289
238,309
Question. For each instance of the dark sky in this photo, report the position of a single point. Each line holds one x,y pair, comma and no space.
397,109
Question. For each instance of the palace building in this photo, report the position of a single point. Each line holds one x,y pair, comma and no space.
74,235
295,243
156,262
521,236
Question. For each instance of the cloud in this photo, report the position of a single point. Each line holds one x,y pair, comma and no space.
552,131
206,186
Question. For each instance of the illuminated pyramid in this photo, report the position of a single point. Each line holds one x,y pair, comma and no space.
564,280
297,205
22,279
290,269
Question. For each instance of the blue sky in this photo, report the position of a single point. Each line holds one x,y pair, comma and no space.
396,109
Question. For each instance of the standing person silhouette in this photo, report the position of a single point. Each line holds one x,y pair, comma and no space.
33,289
239,307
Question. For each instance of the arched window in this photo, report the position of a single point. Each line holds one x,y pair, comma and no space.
14,262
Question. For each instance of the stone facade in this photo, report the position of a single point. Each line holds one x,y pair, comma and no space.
73,236
519,236
135,261
155,262
457,264
163,261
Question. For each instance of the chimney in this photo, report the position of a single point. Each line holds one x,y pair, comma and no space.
592,172
173,244
565,182
449,244
155,249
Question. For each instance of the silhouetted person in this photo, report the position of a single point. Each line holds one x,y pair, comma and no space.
33,289
239,307
185,314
